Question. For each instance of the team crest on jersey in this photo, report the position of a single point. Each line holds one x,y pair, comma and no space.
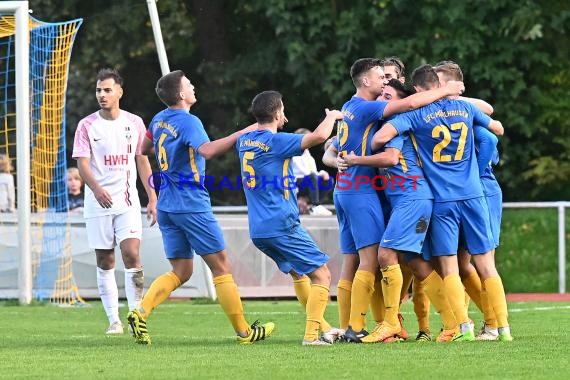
421,226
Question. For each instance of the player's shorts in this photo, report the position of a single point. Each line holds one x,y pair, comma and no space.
108,231
468,218
408,225
425,254
495,204
295,251
186,233
360,220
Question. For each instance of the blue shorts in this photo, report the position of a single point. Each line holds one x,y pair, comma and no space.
360,221
295,251
495,204
468,218
408,225
186,233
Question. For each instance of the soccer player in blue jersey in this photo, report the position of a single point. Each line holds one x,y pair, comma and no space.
269,187
185,214
355,199
411,202
486,151
444,134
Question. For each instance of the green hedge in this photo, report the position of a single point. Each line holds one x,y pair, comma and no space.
528,256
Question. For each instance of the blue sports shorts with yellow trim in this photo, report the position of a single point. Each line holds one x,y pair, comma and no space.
360,220
468,218
295,251
408,225
186,233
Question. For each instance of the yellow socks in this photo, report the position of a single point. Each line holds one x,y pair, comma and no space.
302,291
456,296
362,288
472,284
421,305
316,305
377,301
434,288
497,299
158,292
343,298
407,277
391,288
488,312
228,297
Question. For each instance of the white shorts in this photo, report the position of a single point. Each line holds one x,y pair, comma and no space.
107,231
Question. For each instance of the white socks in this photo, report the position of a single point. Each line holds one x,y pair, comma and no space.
109,293
134,283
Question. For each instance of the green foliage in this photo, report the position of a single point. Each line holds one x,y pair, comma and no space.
513,53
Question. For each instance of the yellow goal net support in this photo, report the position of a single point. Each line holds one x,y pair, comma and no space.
49,55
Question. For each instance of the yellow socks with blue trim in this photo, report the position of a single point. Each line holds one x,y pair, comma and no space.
343,299
316,305
228,297
362,289
302,290
158,292
391,288
497,299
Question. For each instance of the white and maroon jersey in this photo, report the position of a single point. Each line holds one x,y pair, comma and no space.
112,146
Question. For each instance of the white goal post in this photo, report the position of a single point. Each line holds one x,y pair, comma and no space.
22,74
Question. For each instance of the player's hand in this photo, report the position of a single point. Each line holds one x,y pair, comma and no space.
324,175
336,114
454,88
341,163
103,197
151,212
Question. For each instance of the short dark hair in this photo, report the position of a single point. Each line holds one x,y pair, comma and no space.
265,105
397,63
450,70
360,67
108,73
425,77
168,87
401,89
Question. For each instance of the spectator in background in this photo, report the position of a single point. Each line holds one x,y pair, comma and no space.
74,190
311,183
7,192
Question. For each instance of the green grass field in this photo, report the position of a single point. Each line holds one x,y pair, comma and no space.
194,340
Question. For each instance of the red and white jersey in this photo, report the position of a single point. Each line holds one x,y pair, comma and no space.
112,146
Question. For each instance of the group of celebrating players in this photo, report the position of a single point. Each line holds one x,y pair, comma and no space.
438,210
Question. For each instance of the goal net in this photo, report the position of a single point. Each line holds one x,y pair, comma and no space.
49,54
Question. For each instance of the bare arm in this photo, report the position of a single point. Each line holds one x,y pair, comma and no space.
385,134
386,159
479,103
329,158
496,127
145,174
215,148
101,195
323,131
423,98
147,146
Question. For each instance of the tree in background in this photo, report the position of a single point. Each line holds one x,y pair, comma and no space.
514,54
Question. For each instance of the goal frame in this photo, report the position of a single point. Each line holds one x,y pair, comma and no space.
20,10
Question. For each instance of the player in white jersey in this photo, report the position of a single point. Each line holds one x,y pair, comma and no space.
107,148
